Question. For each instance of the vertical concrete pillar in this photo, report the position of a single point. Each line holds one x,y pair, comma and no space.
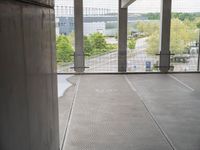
122,41
165,35
79,59
28,78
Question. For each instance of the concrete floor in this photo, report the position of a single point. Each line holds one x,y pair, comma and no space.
131,112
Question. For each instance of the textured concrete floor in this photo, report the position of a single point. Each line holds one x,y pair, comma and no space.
135,112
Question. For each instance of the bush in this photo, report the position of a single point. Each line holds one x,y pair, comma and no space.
131,43
182,34
98,41
87,46
198,25
111,46
64,49
95,44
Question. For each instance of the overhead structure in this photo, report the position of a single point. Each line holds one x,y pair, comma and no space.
126,3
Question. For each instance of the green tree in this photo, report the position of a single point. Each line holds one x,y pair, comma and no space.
182,33
64,49
96,44
184,16
198,25
131,43
153,43
180,16
87,46
179,36
98,41
147,27
153,16
71,38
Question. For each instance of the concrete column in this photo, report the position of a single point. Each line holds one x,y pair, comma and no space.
122,41
165,35
79,59
28,78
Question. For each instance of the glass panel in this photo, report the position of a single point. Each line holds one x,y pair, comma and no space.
100,35
184,35
64,13
143,36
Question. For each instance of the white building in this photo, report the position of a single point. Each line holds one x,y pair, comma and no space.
65,8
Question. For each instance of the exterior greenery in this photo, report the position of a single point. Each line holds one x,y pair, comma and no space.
184,30
94,44
64,49
198,25
182,34
180,16
131,43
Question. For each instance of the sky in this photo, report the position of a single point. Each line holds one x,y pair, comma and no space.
144,6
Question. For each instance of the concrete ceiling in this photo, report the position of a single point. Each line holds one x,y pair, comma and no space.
126,3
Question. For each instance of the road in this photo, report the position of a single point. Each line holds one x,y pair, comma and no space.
136,60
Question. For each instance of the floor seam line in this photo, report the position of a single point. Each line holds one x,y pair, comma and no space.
70,114
182,83
151,115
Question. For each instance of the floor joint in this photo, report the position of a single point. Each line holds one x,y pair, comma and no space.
151,115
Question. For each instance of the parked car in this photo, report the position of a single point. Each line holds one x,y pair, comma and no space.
194,50
180,58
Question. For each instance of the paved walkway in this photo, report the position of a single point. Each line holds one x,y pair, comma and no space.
134,112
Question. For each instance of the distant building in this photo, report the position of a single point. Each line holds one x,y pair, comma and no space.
95,19
64,13
64,25
93,27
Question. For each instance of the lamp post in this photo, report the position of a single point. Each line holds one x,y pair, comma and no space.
198,26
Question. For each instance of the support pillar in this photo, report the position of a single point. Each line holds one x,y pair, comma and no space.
122,41
165,35
28,78
79,59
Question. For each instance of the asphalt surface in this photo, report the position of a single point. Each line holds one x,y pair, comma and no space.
134,112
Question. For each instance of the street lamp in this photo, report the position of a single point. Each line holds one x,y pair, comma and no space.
198,26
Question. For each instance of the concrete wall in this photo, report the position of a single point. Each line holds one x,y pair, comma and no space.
28,80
